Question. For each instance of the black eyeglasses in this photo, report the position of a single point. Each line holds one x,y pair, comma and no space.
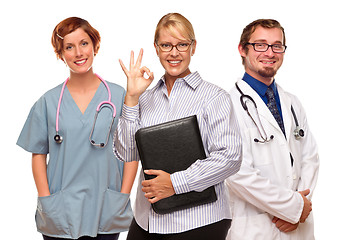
181,47
263,47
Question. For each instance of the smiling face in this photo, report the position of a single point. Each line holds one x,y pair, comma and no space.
175,63
263,65
78,51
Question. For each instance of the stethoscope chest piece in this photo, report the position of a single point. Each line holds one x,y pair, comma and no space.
298,133
58,138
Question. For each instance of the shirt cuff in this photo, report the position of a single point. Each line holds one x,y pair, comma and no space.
300,211
179,182
130,113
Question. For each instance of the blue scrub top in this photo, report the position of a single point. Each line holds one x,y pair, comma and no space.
84,180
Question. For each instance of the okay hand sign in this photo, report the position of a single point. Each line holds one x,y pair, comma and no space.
136,82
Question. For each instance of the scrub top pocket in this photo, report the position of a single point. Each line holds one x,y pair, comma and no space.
116,213
50,215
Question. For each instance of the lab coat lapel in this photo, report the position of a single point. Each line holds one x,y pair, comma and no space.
285,102
263,110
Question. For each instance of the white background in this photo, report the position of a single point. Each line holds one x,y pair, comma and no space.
312,70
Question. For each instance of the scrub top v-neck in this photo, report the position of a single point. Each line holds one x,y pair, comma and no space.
84,180
92,101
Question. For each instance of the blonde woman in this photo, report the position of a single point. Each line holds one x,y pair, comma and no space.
179,93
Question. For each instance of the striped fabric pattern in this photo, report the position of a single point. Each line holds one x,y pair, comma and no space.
221,138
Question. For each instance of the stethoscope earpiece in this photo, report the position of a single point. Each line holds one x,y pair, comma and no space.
101,145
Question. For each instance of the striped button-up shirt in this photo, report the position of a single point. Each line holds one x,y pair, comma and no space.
221,139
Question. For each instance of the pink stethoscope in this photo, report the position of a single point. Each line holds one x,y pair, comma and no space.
58,138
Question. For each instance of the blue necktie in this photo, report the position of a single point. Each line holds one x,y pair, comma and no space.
272,106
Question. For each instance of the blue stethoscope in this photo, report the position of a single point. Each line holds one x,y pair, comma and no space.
298,132
58,138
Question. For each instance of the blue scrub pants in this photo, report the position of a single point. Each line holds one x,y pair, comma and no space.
99,237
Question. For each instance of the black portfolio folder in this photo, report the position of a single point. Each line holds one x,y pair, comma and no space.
173,146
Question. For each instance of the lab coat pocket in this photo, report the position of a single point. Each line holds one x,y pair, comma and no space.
258,227
50,217
116,213
262,150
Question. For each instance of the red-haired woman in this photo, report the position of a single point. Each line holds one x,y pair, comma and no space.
83,191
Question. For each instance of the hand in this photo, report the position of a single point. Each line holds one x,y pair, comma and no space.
307,207
284,226
158,188
136,82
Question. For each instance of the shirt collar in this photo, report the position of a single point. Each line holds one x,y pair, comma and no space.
192,79
258,86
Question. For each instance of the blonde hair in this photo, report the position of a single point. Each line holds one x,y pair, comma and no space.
173,21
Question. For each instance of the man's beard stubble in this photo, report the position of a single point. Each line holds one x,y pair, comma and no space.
267,72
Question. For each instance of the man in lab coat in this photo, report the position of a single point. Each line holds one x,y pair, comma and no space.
270,196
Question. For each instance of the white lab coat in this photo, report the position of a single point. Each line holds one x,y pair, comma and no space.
267,185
